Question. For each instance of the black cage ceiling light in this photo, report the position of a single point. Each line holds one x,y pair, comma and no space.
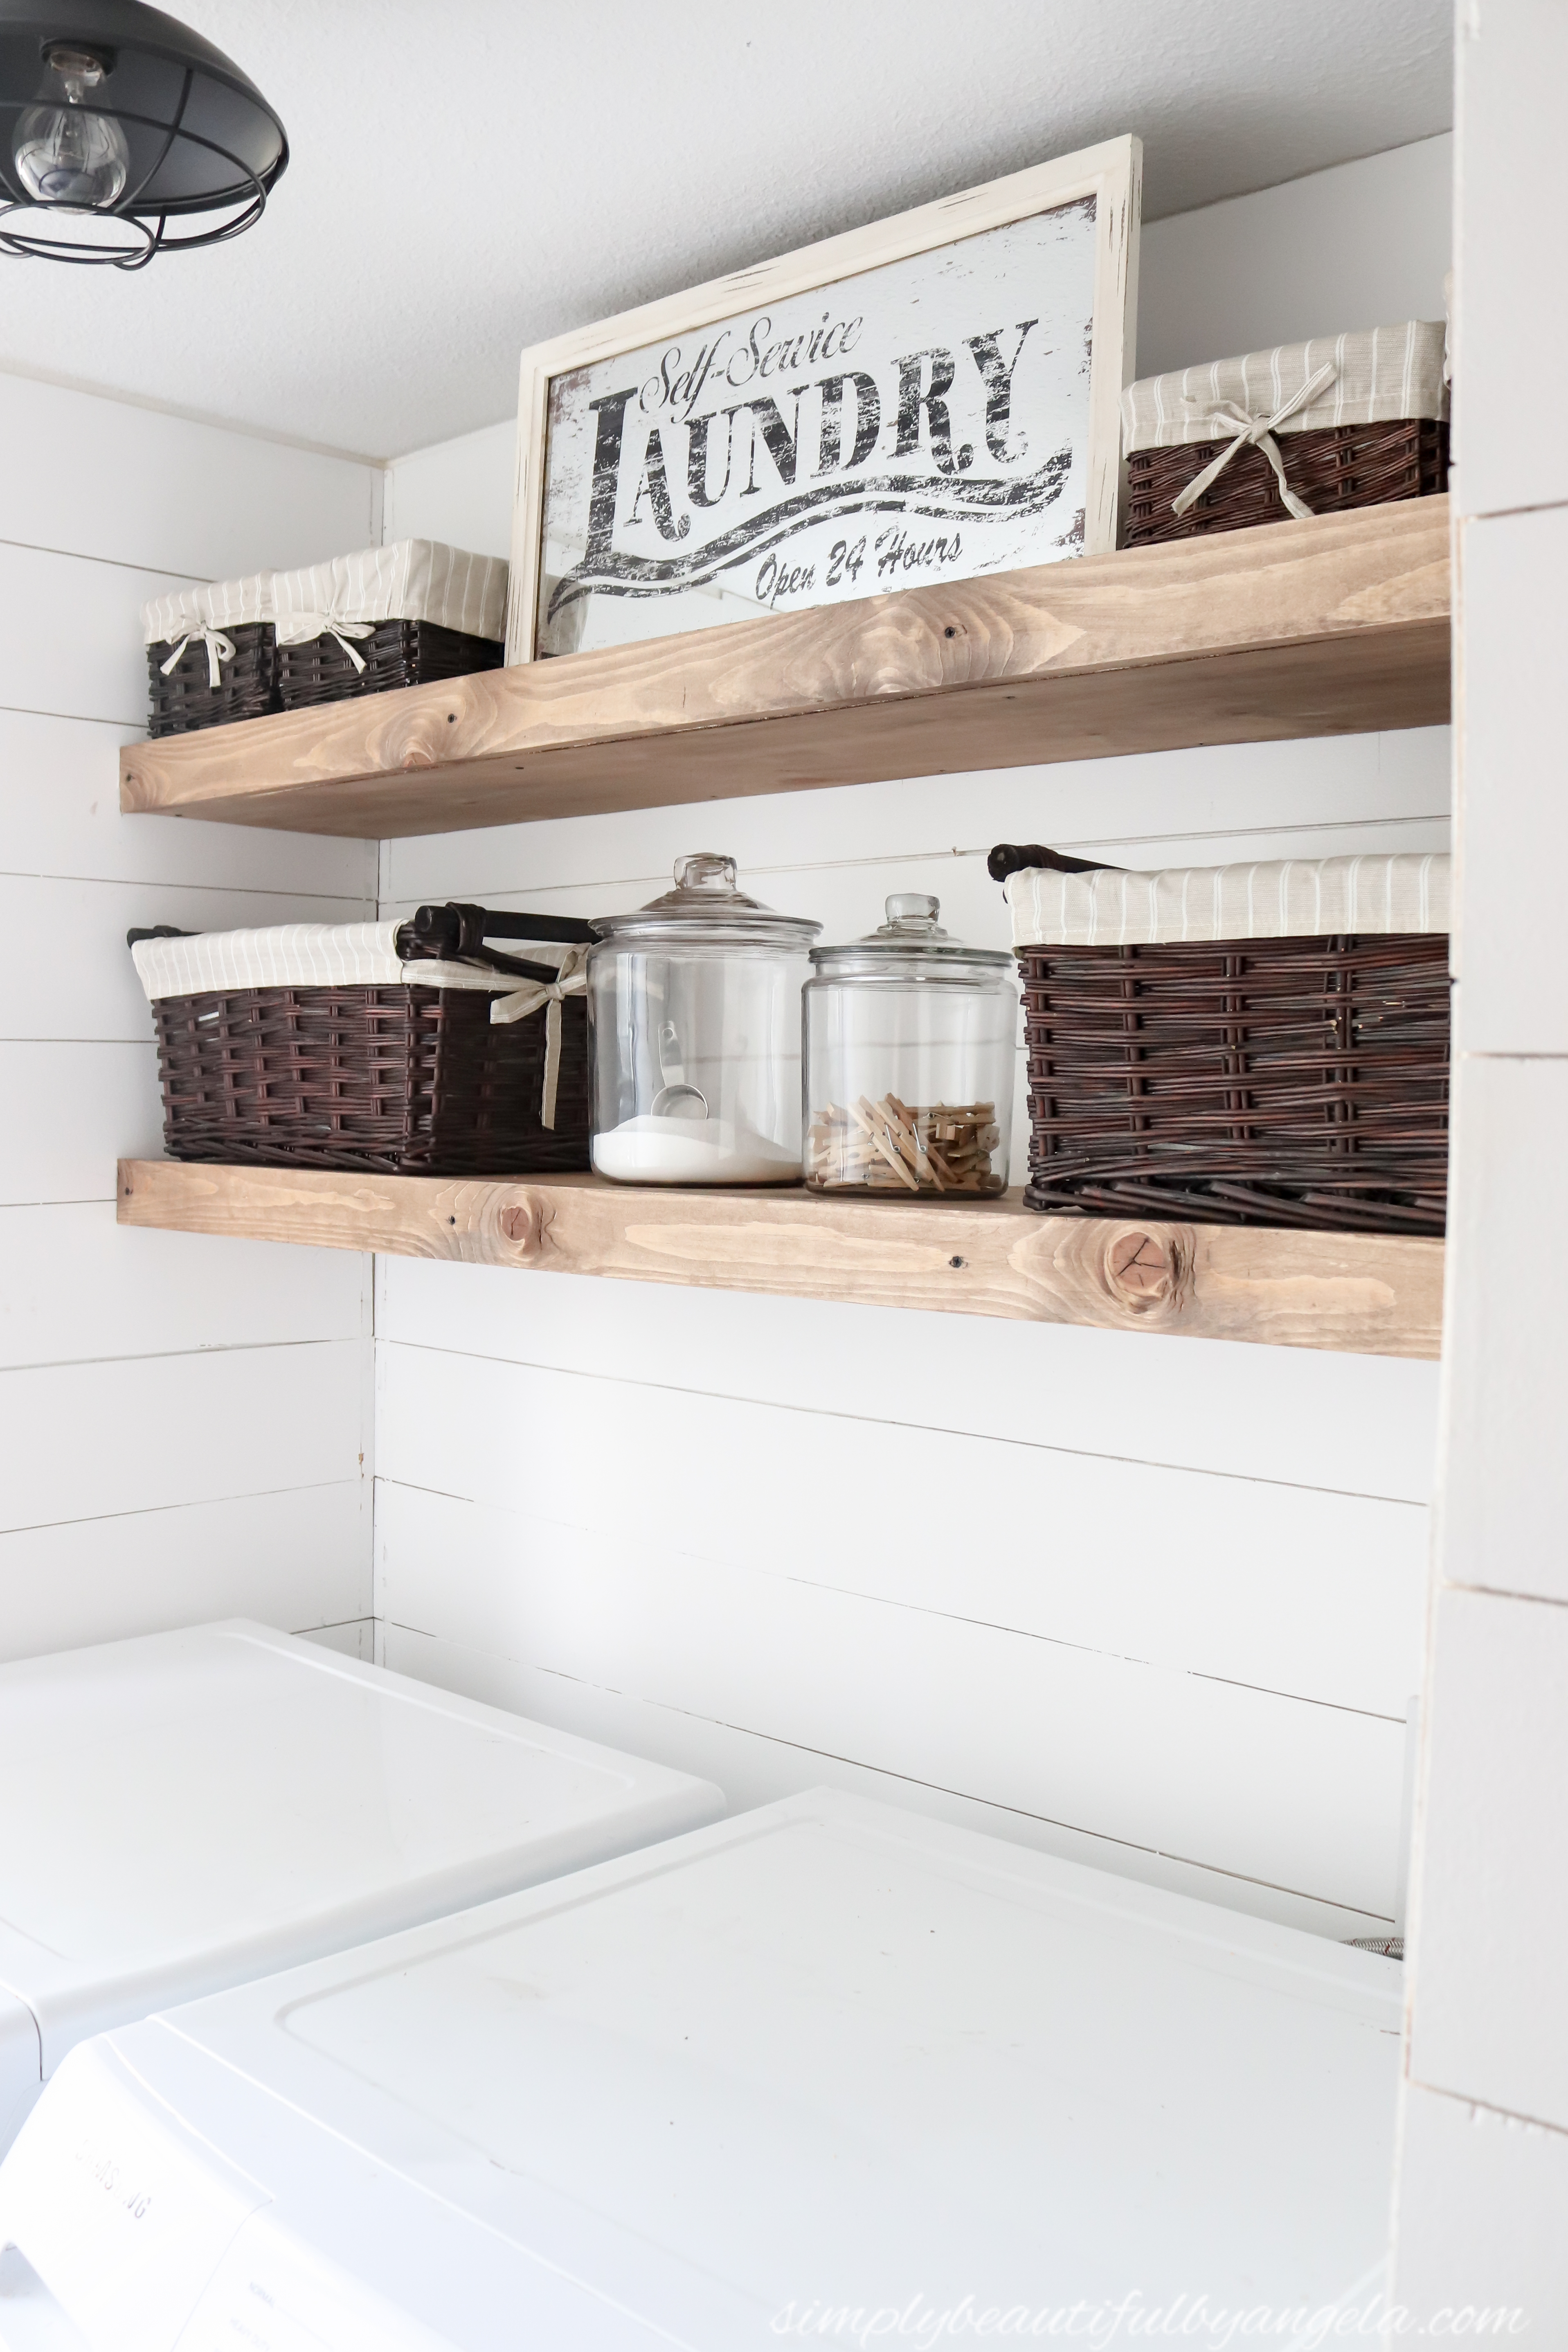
119,129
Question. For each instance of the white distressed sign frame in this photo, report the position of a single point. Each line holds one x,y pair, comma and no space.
1110,173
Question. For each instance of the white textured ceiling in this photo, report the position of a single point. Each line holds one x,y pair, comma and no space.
469,176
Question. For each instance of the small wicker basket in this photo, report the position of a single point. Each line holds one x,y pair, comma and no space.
406,614
212,656
1255,1045
1305,429
396,653
407,1049
183,696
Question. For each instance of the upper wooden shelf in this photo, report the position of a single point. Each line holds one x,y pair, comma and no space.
1327,627
1366,1294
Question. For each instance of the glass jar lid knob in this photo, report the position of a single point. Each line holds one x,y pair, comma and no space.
705,905
912,915
911,942
706,871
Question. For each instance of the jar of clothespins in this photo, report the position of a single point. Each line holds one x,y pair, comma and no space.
909,1052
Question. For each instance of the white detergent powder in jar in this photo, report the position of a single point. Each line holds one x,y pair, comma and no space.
650,1151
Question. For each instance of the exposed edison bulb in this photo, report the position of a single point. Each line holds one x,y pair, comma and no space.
65,155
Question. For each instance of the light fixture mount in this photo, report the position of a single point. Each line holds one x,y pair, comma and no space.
123,134
75,57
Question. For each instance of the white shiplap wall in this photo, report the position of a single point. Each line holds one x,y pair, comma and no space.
1151,1603
185,1423
1481,2198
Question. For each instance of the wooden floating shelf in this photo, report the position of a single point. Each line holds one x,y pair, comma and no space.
1366,1294
1328,627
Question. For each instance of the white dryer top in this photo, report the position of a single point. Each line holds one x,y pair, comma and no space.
21,2070
186,1809
822,2055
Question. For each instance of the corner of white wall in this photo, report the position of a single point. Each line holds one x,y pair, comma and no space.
457,491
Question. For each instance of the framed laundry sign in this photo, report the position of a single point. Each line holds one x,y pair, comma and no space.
929,399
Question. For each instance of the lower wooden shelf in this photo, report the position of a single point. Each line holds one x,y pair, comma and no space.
1366,1294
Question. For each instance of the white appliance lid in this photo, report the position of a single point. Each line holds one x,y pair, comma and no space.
182,1810
823,2054
21,2067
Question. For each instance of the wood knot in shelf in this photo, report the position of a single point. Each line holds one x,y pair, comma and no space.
1147,1269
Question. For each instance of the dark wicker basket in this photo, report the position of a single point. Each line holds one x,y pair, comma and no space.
1330,467
395,1078
186,699
404,1080
1250,1081
397,653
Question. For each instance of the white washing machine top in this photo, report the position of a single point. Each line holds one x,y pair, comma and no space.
825,2057
190,1809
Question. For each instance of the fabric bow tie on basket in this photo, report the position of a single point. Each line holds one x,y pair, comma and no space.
571,980
220,650
1257,433
304,628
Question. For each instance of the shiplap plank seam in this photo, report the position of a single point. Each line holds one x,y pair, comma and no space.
895,1421
940,1788
492,893
184,1503
924,1608
176,1355
1190,1608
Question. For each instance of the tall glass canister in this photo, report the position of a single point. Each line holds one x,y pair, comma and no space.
694,1035
910,1045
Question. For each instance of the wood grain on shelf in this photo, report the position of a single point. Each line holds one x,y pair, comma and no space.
1331,626
1367,1294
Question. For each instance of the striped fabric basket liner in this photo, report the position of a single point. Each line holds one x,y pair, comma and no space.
1244,1044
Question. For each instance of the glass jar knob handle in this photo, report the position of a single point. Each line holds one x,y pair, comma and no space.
706,872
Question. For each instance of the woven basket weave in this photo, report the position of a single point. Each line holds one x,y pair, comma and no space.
403,1080
1253,1082
186,699
1330,468
397,653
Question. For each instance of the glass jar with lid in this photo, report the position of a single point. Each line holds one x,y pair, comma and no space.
910,1045
694,1031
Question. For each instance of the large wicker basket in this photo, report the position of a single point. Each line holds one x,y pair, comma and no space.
1305,429
1194,1050
376,1047
1332,468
